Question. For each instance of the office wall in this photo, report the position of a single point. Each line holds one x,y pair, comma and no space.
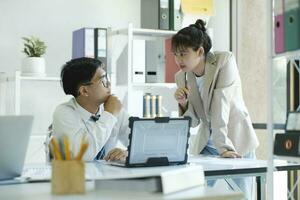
53,21
220,24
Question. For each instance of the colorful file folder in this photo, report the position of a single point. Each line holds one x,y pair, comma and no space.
175,15
279,26
291,25
90,42
155,14
171,66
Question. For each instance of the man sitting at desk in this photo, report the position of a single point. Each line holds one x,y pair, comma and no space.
93,111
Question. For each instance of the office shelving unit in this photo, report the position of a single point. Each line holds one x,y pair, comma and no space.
290,57
135,90
42,110
19,78
167,85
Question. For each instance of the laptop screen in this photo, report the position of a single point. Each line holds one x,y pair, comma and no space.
153,138
14,133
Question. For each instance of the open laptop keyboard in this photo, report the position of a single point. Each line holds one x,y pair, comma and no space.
43,172
37,173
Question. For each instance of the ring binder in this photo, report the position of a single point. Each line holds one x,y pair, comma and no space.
90,42
175,15
155,14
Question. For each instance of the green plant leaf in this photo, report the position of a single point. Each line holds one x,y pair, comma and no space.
26,51
33,46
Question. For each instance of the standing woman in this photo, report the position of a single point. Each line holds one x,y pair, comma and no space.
210,92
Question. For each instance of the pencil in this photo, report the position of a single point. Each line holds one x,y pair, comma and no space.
51,150
56,149
67,148
83,148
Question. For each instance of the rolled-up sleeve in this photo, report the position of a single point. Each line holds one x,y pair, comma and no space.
220,105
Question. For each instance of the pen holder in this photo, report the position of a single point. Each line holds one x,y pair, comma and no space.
68,177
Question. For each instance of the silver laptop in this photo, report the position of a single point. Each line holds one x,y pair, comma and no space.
14,134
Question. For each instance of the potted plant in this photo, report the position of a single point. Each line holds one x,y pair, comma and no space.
34,63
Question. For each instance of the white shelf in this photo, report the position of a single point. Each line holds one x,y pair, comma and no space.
288,55
167,85
19,78
36,78
146,32
40,78
288,158
134,89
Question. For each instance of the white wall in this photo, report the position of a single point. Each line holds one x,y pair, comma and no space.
53,21
220,24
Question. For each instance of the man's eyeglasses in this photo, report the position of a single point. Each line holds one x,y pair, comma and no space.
103,79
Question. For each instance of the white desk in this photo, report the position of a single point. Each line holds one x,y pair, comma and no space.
42,191
220,168
214,168
224,168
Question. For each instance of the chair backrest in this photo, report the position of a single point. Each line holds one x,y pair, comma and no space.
48,139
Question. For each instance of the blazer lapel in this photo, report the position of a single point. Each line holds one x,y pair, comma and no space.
210,76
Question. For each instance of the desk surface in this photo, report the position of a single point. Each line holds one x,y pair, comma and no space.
216,166
212,166
38,191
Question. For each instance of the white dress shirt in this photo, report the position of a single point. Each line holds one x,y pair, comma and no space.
74,121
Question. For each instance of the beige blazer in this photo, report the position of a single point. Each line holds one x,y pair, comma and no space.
222,109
